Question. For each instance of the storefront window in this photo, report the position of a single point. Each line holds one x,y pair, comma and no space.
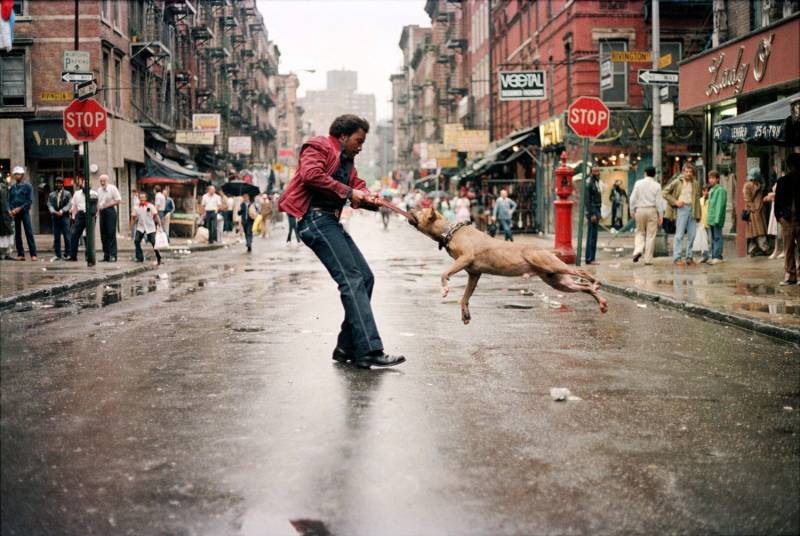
724,161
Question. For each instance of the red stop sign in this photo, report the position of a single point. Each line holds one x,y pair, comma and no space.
85,120
588,117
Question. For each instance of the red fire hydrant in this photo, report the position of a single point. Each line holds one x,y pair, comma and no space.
563,246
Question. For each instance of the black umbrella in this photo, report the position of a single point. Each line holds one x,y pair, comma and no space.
235,188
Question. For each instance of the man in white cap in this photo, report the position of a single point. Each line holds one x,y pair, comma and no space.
20,199
108,198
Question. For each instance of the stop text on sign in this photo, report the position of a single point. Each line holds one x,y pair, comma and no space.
523,85
84,121
588,117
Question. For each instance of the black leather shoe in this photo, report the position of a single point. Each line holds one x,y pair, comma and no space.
378,359
340,355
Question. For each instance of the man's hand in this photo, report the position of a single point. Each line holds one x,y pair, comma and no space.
660,222
358,196
593,219
680,204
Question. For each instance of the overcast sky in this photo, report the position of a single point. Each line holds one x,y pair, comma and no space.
359,35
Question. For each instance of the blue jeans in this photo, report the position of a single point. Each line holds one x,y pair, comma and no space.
685,227
326,237
247,225
60,228
716,241
591,239
505,225
23,221
210,223
292,229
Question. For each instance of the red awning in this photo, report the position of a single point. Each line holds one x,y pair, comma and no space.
166,180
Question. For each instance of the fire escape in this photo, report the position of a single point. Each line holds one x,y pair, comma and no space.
152,49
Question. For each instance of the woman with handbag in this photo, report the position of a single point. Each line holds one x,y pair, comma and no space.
248,212
753,214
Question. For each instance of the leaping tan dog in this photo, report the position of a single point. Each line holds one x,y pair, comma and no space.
479,254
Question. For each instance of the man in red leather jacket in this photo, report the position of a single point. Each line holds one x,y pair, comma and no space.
325,180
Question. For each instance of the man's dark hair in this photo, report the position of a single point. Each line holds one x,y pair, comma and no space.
713,173
650,171
793,161
347,125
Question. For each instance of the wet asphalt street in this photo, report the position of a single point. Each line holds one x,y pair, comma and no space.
200,399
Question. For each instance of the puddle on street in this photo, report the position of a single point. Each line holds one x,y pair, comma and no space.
772,308
750,289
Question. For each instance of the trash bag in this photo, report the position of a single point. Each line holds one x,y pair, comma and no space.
201,236
257,224
700,239
162,242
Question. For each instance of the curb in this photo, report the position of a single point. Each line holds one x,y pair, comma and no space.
55,290
752,324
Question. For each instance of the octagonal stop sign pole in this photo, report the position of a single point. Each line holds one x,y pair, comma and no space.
588,117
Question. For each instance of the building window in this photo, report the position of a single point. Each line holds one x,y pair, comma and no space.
12,79
755,15
104,9
18,7
618,92
117,83
115,17
106,79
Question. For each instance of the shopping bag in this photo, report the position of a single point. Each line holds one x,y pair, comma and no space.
257,225
201,236
700,239
162,242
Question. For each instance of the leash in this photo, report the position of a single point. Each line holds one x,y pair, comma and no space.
407,215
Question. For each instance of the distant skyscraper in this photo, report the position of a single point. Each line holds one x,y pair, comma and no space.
341,97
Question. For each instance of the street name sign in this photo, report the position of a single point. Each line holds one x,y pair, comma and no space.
86,90
631,56
523,85
76,61
84,120
76,77
588,117
606,75
652,78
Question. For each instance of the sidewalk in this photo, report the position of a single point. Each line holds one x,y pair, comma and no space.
741,291
48,276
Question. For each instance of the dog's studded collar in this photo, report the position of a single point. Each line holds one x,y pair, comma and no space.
444,238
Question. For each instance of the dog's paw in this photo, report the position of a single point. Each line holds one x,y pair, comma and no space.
604,306
466,318
445,290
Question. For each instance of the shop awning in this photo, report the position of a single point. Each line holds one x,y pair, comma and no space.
768,125
158,166
166,180
500,155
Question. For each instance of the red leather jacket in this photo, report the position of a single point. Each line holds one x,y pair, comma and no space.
319,159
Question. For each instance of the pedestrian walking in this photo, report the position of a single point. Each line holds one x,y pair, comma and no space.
147,222
787,210
248,212
20,199
503,211
160,201
462,206
325,179
132,223
108,199
593,206
648,212
169,208
618,197
754,214
228,202
211,203
717,208
78,218
58,203
6,223
266,215
683,199
292,229
701,241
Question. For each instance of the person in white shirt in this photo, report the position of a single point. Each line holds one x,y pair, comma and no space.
77,215
147,222
210,203
160,201
647,205
107,200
